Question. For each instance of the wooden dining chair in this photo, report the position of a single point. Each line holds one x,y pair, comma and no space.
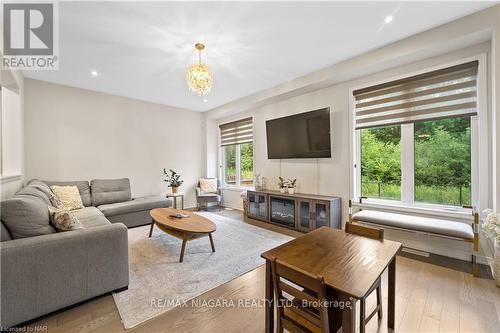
377,234
306,311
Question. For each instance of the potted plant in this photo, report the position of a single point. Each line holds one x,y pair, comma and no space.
282,184
491,228
291,186
173,179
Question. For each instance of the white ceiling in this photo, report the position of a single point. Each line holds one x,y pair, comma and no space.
143,49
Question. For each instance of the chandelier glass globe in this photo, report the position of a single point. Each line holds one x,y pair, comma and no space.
199,78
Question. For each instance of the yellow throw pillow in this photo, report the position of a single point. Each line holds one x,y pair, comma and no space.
68,196
208,185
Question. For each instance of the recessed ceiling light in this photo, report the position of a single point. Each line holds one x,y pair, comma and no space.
94,73
205,100
388,19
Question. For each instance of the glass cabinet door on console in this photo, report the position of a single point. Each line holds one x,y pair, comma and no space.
305,215
262,206
321,214
252,204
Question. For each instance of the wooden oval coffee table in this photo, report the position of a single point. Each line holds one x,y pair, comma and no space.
188,228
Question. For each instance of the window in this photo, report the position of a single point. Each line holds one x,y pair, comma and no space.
246,163
237,152
230,164
414,137
381,162
443,162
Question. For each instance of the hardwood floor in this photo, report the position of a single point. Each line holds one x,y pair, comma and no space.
429,298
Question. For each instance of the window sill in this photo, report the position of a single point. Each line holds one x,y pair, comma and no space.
428,210
236,188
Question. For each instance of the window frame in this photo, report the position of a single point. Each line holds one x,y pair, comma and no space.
480,171
222,163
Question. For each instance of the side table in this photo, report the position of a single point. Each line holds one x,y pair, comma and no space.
175,196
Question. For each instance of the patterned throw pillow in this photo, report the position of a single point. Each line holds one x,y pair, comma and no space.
69,196
55,202
64,220
208,185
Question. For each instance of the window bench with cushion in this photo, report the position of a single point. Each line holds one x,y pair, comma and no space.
425,225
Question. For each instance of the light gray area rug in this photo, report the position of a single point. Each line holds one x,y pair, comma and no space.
156,276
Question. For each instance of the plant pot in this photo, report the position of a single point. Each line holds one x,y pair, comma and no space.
174,189
291,190
282,190
496,263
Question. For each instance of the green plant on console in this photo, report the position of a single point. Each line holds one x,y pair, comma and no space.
282,183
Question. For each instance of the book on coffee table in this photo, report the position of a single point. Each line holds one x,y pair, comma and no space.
179,216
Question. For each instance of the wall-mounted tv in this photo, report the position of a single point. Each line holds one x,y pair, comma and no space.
303,135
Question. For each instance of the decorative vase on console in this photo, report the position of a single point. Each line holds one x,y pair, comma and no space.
257,183
491,228
263,183
291,186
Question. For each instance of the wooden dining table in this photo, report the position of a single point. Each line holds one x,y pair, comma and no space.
349,264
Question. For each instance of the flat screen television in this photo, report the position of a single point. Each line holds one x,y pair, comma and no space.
303,135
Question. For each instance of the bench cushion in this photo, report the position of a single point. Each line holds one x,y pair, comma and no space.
135,205
409,222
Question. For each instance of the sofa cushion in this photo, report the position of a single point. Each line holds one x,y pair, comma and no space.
83,188
4,233
26,216
108,191
90,217
37,189
135,205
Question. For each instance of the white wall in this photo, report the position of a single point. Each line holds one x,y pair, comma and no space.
77,134
12,132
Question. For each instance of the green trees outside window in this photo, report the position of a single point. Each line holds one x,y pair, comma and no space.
238,156
381,162
246,163
230,164
442,162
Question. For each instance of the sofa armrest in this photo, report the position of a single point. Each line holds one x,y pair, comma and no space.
45,273
198,191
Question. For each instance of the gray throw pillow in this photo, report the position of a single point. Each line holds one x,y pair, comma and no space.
26,216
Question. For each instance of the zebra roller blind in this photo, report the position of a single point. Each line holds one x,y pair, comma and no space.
445,93
236,132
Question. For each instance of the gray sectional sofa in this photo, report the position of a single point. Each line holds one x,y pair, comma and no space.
43,270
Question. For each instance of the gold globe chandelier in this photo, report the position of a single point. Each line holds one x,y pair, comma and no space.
199,78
